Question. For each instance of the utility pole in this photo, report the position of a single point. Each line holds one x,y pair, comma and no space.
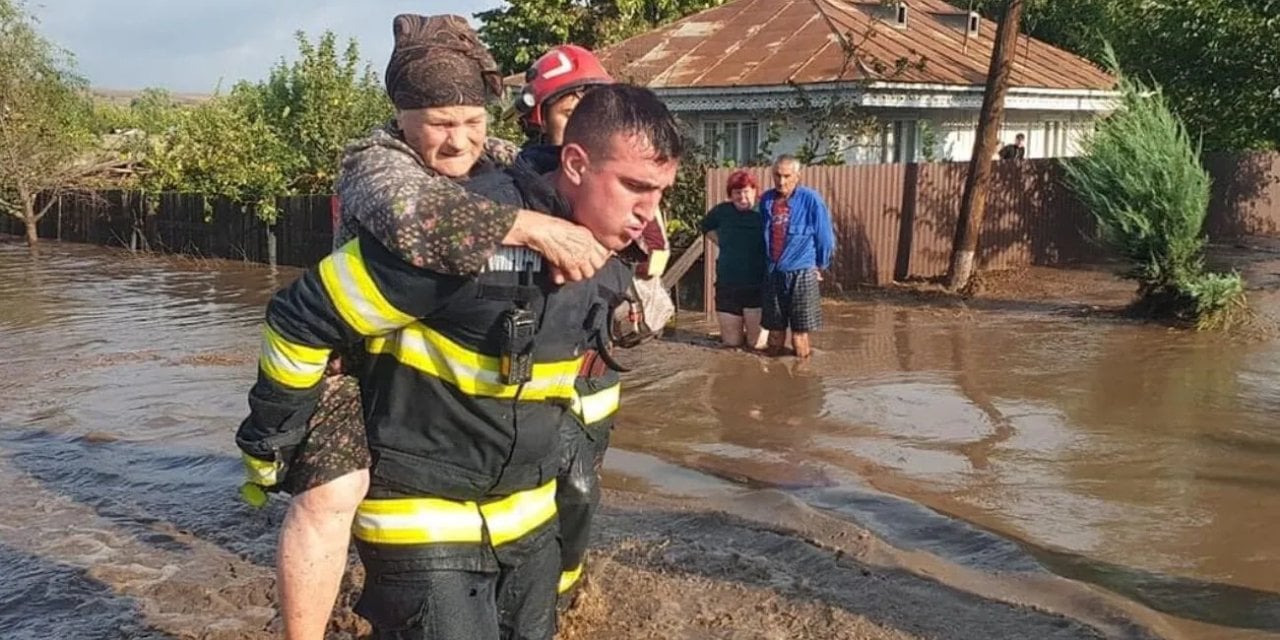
973,204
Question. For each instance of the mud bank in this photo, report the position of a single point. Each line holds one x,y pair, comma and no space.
1092,290
762,565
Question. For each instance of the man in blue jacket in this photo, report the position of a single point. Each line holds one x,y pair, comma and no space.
799,239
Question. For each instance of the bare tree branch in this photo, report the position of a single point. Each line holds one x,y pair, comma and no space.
53,199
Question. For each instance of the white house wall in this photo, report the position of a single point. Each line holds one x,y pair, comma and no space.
1049,133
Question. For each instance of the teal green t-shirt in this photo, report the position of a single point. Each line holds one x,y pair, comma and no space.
742,258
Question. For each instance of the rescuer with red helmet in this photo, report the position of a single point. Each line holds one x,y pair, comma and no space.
554,84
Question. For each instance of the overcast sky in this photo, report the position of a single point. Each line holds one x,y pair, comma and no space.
189,45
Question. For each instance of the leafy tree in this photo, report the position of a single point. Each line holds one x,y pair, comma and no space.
686,201
276,137
1219,64
1079,26
45,120
316,105
1215,59
217,148
520,32
524,29
152,111
505,124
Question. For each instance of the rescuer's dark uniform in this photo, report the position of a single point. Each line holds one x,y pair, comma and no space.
465,386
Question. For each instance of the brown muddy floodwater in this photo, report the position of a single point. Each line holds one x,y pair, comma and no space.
1140,460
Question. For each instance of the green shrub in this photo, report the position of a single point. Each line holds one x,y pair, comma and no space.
1142,180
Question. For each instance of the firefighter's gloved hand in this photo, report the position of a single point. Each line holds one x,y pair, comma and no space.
261,477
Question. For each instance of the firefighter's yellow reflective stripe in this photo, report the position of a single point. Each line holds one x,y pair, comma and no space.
260,472
475,374
355,295
516,515
289,363
433,520
417,521
569,578
597,406
253,495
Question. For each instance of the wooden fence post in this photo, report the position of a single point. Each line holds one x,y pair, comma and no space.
709,253
271,244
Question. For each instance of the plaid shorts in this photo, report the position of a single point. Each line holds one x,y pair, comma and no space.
792,299
335,444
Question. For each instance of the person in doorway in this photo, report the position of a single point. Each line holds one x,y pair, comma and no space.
799,241
737,228
1015,151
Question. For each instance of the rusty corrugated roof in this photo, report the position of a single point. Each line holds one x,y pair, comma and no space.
773,42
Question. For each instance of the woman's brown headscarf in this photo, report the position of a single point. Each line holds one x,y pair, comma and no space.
439,61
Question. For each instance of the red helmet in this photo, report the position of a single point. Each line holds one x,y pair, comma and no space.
562,70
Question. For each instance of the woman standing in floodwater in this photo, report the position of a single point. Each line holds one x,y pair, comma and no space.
737,227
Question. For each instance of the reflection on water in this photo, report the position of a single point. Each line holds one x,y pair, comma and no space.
1140,459
1132,457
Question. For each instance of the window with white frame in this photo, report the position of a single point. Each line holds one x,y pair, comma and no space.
735,140
863,148
893,141
900,141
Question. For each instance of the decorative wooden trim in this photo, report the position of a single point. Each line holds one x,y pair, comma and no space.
883,95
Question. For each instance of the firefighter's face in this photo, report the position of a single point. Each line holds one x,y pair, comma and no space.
556,117
449,139
616,193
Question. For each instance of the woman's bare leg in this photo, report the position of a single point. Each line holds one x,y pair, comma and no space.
312,554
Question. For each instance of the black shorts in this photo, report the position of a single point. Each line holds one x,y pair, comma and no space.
733,298
792,300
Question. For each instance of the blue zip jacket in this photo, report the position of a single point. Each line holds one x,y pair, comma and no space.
811,240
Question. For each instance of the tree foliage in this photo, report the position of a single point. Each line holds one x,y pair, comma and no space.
524,29
1219,64
316,105
280,136
1216,60
1142,180
1079,26
218,148
45,119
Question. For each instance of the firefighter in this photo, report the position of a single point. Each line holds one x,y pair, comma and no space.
418,531
396,169
329,473
555,84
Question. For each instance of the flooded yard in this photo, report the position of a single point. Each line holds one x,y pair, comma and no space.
1122,475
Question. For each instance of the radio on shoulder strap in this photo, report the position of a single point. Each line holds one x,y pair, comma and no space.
519,326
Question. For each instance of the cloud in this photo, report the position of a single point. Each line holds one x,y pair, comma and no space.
192,45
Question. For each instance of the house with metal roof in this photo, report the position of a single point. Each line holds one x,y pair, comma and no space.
763,77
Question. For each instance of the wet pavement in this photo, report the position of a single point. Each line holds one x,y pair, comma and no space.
1139,459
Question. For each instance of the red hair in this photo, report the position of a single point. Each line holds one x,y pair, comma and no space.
741,179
